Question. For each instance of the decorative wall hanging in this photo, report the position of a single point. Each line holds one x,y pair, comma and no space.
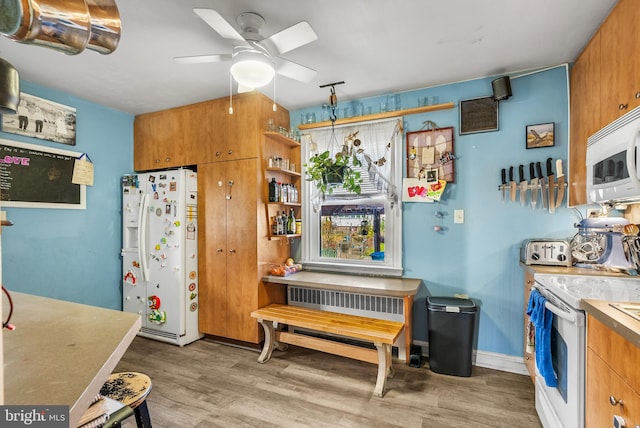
43,119
478,115
430,155
540,135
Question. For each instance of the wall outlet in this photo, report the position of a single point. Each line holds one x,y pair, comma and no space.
458,216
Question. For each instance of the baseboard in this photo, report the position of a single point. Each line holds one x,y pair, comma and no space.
490,360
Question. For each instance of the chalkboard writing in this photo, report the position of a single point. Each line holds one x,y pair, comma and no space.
478,115
38,177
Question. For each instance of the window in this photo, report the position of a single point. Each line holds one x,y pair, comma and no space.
345,232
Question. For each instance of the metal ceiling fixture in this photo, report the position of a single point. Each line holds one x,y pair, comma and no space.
255,58
69,26
9,88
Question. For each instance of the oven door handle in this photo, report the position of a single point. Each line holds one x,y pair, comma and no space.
571,317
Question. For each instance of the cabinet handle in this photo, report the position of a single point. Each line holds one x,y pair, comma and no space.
232,251
230,151
219,250
613,401
156,160
167,159
218,153
637,95
622,106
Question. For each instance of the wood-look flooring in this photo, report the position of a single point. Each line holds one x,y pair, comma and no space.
208,384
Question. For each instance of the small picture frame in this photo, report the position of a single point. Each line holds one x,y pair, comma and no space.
432,175
540,135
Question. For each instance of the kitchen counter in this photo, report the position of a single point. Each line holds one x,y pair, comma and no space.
621,323
61,353
572,270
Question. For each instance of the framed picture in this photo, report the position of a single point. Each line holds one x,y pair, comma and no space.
478,115
430,155
43,119
540,135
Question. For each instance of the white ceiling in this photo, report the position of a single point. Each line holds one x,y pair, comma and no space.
375,46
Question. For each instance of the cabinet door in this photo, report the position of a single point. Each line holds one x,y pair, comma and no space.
585,117
212,249
620,38
159,140
242,257
602,385
529,357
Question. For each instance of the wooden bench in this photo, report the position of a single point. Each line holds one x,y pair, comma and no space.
381,333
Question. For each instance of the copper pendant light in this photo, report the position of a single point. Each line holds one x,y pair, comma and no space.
9,88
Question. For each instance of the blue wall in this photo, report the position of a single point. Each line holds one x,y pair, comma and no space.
480,257
74,255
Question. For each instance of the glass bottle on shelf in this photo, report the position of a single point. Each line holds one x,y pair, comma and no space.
273,190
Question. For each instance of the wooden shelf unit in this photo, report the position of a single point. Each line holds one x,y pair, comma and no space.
375,116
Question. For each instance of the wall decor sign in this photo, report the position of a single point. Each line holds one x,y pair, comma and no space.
34,176
478,115
43,119
430,155
540,135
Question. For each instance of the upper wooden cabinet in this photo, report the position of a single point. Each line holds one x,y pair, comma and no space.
620,41
604,85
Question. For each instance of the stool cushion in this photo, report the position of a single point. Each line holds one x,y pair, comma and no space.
129,388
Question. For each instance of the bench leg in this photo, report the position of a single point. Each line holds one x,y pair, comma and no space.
385,369
269,341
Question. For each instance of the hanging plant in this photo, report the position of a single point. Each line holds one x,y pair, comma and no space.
328,172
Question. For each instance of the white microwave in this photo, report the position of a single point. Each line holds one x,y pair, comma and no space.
612,161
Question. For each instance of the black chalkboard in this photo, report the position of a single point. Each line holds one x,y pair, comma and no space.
38,177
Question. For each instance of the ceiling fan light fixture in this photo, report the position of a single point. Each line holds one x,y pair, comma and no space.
252,69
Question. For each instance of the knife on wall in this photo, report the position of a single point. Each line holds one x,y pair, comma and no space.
534,185
503,186
512,185
544,181
551,183
561,179
523,186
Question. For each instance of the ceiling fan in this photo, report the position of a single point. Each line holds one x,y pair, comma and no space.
255,58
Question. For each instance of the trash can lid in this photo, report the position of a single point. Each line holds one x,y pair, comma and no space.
450,302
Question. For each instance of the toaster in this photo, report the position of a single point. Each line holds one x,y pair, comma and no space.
550,252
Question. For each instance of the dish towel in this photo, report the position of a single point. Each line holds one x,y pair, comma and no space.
542,320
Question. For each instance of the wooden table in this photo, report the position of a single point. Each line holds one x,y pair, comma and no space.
374,285
61,352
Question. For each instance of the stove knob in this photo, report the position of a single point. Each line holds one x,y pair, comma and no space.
562,257
535,256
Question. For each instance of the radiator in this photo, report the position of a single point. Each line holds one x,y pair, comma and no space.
366,305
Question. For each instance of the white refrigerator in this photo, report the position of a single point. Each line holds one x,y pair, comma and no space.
160,253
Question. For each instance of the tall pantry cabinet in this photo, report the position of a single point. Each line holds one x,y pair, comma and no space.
234,249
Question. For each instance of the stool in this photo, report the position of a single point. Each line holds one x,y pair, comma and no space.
131,389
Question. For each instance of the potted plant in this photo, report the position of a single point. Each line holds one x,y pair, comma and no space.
328,172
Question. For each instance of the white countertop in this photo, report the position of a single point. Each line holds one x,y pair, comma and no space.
61,353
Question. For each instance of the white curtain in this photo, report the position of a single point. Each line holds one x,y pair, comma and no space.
378,142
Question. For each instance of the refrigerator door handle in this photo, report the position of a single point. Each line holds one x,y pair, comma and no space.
142,236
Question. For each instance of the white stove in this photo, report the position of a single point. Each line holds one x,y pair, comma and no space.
572,289
563,406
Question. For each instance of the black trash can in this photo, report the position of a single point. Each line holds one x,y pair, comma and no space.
451,325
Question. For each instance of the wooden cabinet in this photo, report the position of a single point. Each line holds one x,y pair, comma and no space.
620,40
604,84
529,356
278,146
612,375
162,140
585,117
235,251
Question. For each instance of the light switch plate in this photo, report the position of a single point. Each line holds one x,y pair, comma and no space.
458,216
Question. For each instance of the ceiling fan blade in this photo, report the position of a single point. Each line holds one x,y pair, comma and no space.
290,38
200,59
294,71
219,24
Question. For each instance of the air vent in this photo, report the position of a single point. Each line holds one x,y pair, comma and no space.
151,332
